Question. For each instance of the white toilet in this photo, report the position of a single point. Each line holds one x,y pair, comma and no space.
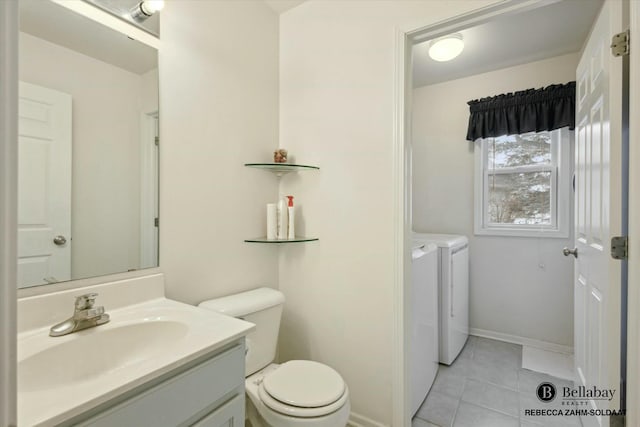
295,393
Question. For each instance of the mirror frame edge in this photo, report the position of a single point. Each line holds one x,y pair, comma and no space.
83,283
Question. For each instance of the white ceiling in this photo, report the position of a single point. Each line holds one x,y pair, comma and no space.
59,25
544,32
281,6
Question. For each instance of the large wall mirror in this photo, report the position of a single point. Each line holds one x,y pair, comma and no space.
88,148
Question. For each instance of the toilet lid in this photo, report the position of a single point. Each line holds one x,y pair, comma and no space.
298,412
304,384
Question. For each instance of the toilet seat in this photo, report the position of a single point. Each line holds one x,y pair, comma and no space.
302,388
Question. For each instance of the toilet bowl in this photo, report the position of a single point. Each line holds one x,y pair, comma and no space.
297,393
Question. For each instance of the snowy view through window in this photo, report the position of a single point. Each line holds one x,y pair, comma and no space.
519,179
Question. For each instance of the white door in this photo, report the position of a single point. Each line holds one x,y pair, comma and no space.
598,212
44,186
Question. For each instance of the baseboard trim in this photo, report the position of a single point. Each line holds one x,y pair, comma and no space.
543,345
357,420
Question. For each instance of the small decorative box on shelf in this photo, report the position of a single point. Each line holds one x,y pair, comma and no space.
297,239
281,168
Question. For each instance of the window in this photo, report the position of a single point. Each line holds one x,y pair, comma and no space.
523,184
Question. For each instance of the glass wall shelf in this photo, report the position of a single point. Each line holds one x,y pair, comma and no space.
281,168
297,239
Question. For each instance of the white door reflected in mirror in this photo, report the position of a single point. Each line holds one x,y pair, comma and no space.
44,185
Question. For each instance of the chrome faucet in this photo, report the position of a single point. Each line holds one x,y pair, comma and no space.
84,316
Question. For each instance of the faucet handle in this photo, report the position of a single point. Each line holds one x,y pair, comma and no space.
85,301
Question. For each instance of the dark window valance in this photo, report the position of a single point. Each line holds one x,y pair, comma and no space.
531,110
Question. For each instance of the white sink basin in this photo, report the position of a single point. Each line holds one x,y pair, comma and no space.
62,377
97,352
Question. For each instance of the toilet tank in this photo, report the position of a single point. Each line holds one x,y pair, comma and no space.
262,307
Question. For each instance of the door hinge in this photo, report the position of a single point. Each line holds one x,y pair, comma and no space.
619,247
156,222
620,44
157,140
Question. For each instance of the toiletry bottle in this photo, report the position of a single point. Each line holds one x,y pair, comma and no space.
282,219
292,234
272,221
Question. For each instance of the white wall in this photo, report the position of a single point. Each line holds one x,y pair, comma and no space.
106,157
337,83
519,286
149,92
219,97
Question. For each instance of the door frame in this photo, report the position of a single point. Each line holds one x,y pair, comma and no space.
405,38
633,300
8,209
149,178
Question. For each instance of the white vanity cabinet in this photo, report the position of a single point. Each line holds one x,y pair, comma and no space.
206,393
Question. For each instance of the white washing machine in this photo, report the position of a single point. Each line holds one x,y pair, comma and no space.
424,342
453,290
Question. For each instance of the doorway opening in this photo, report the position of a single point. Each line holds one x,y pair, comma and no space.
520,198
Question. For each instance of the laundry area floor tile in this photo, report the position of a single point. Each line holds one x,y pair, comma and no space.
487,386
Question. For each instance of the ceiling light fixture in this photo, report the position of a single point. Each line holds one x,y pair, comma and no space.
446,48
145,9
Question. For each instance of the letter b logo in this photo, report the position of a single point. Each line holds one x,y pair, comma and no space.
546,392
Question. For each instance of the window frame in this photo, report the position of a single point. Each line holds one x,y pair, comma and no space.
561,169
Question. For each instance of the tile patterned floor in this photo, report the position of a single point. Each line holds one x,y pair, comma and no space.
487,387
